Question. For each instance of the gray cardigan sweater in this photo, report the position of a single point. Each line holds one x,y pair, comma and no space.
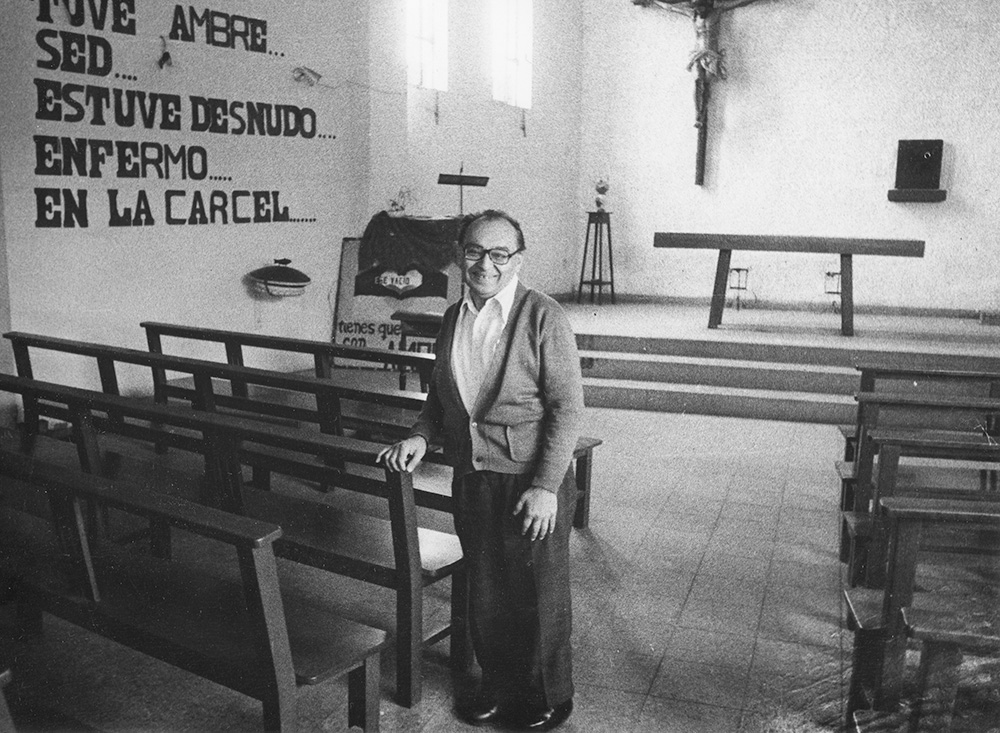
529,412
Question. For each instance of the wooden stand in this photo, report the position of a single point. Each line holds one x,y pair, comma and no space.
600,223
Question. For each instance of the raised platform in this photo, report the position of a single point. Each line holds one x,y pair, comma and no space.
760,363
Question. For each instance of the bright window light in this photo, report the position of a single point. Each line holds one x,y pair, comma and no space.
427,43
512,39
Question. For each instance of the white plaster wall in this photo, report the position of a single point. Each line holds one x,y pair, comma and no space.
8,402
533,172
98,283
802,140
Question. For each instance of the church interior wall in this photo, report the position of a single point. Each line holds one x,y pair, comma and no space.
802,141
530,157
98,281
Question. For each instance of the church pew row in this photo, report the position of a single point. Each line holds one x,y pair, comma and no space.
931,378
864,529
379,414
904,409
276,396
250,635
957,614
324,353
393,553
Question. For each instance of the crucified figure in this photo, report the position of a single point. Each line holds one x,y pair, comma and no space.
707,60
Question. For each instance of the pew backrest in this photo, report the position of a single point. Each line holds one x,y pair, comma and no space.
323,352
974,375
244,633
394,553
915,411
326,394
907,518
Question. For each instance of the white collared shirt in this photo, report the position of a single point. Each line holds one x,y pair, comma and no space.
477,334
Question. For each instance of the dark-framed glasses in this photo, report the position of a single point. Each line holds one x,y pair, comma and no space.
497,256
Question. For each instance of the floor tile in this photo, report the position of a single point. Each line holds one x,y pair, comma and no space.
676,716
725,562
747,541
710,684
603,710
617,669
807,616
725,593
718,617
708,647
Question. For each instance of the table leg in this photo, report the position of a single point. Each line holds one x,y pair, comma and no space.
719,291
846,295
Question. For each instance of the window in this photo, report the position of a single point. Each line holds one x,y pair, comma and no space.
512,34
427,43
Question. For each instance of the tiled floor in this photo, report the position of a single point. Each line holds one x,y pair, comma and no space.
705,592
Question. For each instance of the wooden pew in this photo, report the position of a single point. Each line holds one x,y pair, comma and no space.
275,397
329,395
324,354
864,524
392,553
976,376
249,636
885,620
878,409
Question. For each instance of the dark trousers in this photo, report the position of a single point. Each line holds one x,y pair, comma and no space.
519,590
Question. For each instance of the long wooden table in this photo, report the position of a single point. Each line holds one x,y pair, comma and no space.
844,247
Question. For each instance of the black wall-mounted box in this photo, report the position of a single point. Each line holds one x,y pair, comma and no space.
918,171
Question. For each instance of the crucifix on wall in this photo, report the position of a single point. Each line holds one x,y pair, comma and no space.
706,60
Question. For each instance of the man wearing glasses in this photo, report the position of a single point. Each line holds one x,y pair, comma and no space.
506,402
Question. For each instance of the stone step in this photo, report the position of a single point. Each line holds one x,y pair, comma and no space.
841,355
702,399
765,375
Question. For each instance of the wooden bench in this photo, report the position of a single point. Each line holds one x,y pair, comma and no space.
275,393
885,620
906,409
250,636
845,248
973,376
379,414
324,352
864,525
394,553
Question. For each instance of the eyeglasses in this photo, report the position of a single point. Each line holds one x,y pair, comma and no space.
497,256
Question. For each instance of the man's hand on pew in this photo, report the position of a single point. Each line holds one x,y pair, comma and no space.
405,455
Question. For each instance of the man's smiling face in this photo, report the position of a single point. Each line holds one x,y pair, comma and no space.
484,277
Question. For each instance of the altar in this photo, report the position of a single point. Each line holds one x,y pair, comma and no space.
845,247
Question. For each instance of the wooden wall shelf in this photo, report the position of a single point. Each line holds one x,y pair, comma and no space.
918,195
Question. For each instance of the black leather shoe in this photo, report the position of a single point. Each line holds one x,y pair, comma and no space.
548,718
480,710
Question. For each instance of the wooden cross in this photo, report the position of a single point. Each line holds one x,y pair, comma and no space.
706,60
